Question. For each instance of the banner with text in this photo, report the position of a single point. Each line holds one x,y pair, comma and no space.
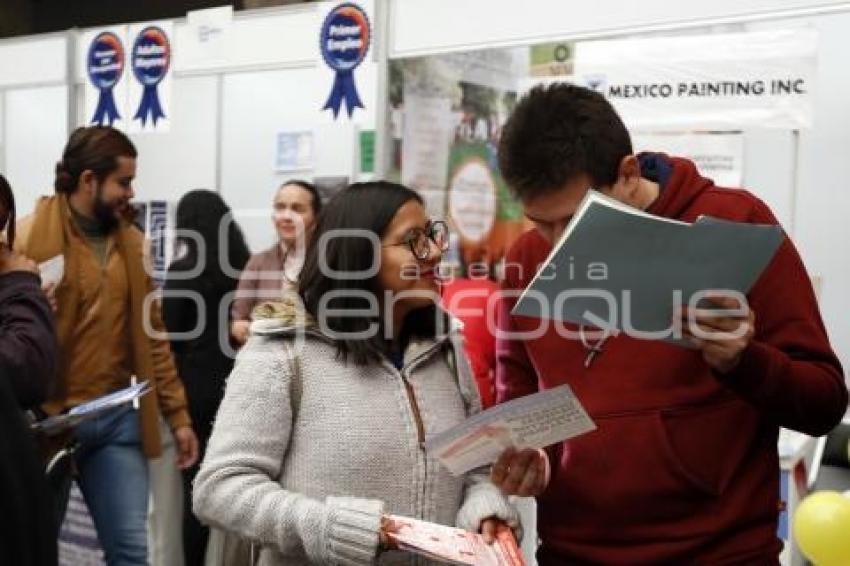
763,79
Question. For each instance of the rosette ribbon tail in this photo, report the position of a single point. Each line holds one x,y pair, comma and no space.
105,110
343,90
150,106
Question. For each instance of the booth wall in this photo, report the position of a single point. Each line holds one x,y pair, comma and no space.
822,199
419,28
34,131
33,60
34,100
256,108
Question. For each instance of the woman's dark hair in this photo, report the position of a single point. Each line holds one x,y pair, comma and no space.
94,148
7,211
362,206
558,132
310,188
202,212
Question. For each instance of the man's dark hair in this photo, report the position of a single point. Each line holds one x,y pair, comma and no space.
558,132
310,188
92,148
362,206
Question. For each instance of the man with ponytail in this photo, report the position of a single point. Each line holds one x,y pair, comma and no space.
102,318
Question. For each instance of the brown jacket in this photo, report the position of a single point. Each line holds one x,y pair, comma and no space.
46,234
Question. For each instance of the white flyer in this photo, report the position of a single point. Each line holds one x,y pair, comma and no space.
81,413
533,421
112,400
52,270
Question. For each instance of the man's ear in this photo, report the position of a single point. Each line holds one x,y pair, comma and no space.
628,179
87,182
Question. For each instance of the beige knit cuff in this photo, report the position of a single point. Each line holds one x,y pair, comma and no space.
353,530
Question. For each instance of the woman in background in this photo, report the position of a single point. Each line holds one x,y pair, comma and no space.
196,317
296,207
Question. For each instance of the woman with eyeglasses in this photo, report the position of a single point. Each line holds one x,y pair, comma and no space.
321,432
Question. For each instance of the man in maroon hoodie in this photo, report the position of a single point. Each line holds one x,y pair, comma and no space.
683,467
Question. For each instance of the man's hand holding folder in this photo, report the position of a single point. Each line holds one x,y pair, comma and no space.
721,335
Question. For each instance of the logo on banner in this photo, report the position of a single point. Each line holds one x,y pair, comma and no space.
151,60
599,83
105,65
344,42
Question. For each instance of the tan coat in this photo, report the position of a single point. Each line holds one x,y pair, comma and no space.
46,234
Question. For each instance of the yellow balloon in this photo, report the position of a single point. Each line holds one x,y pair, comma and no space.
822,528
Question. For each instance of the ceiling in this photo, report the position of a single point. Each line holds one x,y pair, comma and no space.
25,17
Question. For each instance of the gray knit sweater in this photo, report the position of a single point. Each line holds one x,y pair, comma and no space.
307,453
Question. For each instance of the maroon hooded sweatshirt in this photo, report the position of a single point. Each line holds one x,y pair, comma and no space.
683,467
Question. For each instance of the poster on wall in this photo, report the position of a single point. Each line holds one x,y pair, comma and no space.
345,38
725,81
208,38
447,116
158,233
472,199
717,155
427,131
551,59
294,151
107,76
150,55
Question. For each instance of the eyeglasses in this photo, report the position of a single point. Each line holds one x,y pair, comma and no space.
419,239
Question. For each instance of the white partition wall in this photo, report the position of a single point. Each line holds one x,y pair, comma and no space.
821,197
420,28
185,157
36,127
34,108
34,60
256,107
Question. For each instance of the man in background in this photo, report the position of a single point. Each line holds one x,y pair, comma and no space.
103,323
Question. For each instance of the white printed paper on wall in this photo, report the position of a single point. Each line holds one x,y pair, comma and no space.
718,156
427,131
208,37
